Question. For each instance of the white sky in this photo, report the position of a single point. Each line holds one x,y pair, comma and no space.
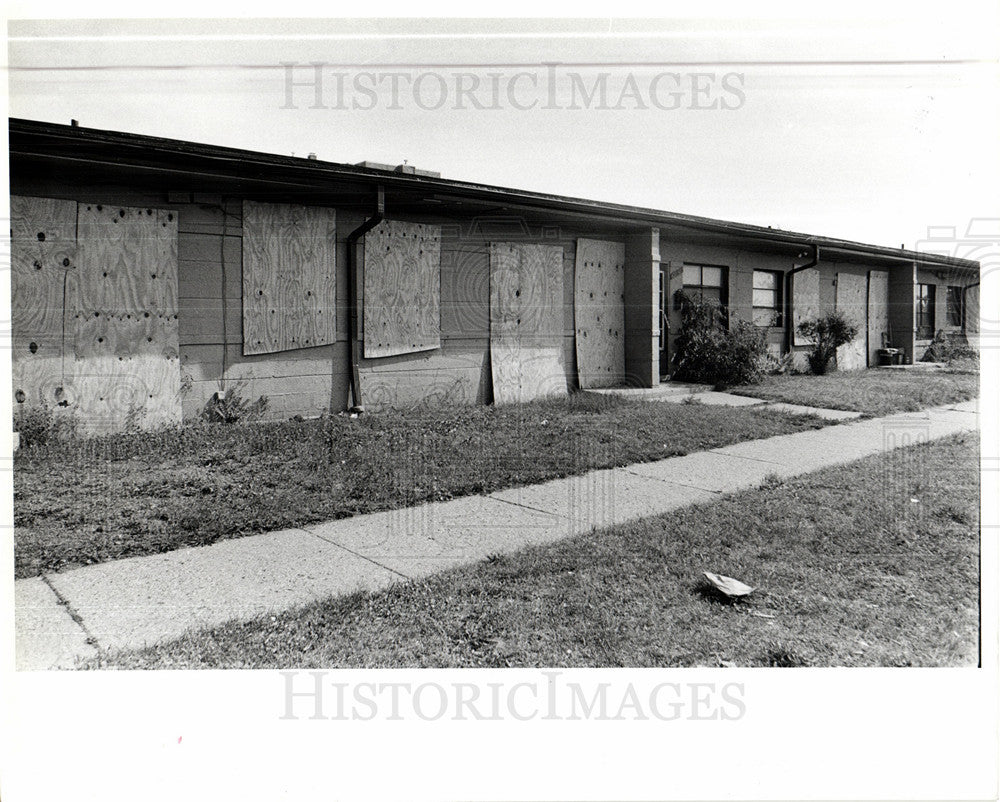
867,144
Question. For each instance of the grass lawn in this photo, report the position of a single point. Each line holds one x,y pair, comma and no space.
102,499
874,563
874,392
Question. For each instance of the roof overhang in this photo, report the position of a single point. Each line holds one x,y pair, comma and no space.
34,145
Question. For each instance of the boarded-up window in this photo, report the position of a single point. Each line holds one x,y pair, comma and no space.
852,302
95,312
43,253
805,301
599,305
526,321
127,367
289,277
402,288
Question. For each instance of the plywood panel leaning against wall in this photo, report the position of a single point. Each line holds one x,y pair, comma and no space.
852,301
805,301
402,288
526,320
599,307
289,277
126,366
43,253
878,313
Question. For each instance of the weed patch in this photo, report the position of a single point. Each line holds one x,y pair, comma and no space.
82,501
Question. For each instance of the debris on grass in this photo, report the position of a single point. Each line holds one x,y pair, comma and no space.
727,586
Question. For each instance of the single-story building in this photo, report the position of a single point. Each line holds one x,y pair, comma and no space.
150,275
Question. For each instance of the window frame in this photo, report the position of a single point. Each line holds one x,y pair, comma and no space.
722,287
778,309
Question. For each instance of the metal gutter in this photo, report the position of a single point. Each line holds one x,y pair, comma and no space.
357,404
789,332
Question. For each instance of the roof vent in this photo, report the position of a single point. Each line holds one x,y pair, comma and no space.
311,156
405,169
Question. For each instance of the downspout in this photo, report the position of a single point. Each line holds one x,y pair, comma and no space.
352,297
789,333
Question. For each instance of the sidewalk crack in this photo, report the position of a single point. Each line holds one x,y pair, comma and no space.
77,618
529,507
355,553
675,482
741,456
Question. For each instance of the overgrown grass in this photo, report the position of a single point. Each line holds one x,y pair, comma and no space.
80,502
874,392
874,563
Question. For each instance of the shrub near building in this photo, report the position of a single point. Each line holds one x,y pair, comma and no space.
827,332
712,350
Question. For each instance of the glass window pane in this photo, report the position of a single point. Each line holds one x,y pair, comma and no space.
764,317
712,295
692,275
711,276
763,280
764,298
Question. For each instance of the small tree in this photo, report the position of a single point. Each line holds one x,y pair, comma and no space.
827,332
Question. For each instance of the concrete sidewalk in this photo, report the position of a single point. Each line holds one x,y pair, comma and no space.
142,600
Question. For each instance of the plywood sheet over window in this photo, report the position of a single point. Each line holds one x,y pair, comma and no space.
43,254
526,320
805,301
878,313
126,366
289,277
852,301
95,312
599,307
402,288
